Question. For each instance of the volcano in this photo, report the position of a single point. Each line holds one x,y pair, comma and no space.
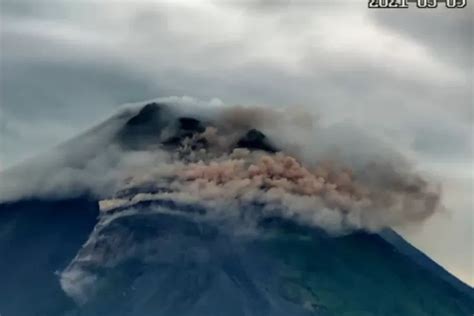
105,242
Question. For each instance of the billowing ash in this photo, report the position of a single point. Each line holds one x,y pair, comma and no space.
220,159
225,163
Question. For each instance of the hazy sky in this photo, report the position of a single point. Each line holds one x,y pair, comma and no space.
403,74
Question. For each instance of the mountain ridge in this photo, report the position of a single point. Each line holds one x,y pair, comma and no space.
89,261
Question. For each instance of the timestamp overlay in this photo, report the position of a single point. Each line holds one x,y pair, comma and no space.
422,4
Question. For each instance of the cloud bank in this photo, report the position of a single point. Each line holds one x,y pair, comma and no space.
221,161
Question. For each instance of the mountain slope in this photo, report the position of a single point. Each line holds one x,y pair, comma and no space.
424,261
38,238
151,253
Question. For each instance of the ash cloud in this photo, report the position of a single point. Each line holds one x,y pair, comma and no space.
232,157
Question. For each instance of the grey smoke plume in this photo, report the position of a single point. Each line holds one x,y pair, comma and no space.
333,176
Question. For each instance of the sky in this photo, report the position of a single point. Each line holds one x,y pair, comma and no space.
405,75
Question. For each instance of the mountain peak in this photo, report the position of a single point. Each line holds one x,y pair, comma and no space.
157,125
